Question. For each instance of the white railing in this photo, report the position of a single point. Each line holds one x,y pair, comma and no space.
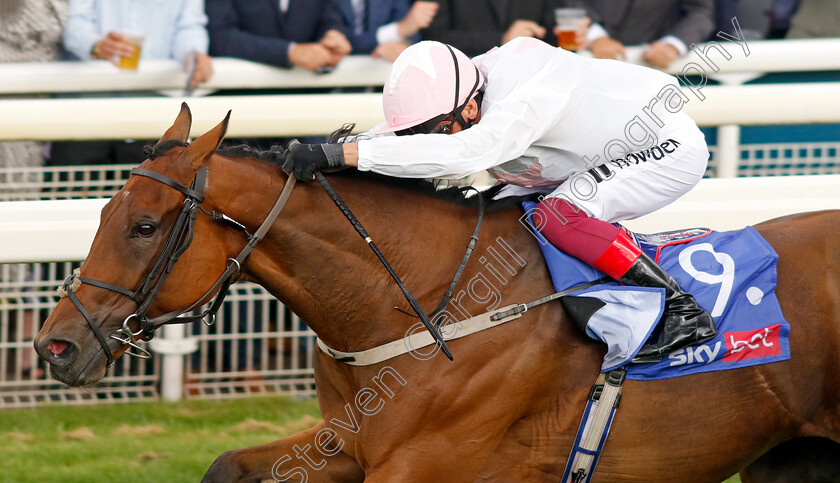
728,107
360,71
228,73
317,114
310,114
46,231
148,118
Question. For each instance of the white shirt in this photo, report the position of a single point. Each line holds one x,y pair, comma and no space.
171,30
384,33
544,108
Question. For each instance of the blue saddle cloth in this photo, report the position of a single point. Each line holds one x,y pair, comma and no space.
731,274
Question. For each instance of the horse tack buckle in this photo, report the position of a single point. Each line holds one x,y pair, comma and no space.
130,338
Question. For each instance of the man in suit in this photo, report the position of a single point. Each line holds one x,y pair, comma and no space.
476,26
669,26
384,28
285,33
814,19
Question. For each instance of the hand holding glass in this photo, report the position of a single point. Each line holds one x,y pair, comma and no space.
131,62
568,22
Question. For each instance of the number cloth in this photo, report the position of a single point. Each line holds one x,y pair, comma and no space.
731,274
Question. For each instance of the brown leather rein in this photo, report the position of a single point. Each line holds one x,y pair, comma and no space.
180,239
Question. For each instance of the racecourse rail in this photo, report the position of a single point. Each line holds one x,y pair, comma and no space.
63,230
727,106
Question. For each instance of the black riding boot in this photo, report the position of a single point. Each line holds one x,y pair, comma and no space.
684,323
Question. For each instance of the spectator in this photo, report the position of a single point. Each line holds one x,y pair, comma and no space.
753,17
96,29
780,16
815,18
669,26
285,33
476,26
172,30
385,28
30,31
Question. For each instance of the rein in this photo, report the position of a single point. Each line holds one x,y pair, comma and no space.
179,240
412,301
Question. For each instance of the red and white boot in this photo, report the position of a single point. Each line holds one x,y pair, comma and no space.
684,323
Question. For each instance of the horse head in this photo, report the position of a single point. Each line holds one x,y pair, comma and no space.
116,296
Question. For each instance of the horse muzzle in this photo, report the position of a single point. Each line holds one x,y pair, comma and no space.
70,361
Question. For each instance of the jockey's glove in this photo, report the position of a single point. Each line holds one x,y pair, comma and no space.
305,159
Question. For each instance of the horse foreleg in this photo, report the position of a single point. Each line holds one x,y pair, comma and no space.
289,459
801,460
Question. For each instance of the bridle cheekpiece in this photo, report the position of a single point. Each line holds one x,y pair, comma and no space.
179,240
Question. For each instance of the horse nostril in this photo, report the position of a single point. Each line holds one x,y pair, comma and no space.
58,346
59,352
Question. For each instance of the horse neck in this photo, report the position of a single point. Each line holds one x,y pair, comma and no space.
351,295
314,262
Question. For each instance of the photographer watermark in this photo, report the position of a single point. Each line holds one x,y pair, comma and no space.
501,262
367,402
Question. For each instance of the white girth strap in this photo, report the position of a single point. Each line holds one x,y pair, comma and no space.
418,340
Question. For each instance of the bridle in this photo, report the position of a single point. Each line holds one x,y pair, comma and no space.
179,240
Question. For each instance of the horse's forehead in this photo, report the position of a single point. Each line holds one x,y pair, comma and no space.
139,194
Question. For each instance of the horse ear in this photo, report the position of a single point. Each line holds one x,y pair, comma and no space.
203,147
180,130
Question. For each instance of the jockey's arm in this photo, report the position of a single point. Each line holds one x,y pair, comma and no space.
351,154
506,130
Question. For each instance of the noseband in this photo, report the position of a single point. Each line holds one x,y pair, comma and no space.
179,240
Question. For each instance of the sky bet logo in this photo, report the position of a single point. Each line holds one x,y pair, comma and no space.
750,344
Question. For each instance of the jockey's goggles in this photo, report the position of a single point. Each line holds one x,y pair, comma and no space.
435,125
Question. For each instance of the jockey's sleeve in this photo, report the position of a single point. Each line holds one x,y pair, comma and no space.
506,129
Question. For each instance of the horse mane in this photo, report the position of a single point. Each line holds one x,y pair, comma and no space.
152,151
441,190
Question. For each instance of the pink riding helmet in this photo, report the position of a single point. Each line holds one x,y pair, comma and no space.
422,84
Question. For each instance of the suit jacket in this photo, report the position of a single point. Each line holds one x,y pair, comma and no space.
476,26
379,13
256,29
816,18
634,22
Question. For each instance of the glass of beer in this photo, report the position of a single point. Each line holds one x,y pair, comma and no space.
131,62
568,21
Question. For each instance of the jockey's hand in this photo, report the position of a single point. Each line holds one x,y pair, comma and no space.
305,159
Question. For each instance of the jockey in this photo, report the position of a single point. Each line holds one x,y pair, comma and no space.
603,140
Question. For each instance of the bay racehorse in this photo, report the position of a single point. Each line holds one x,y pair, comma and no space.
508,407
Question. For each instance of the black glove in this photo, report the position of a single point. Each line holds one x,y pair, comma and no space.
305,159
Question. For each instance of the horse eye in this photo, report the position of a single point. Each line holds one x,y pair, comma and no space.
145,230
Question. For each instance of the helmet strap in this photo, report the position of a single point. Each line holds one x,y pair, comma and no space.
456,110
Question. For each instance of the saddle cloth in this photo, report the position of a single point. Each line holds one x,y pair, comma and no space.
731,274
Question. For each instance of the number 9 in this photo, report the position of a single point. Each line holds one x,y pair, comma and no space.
725,279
